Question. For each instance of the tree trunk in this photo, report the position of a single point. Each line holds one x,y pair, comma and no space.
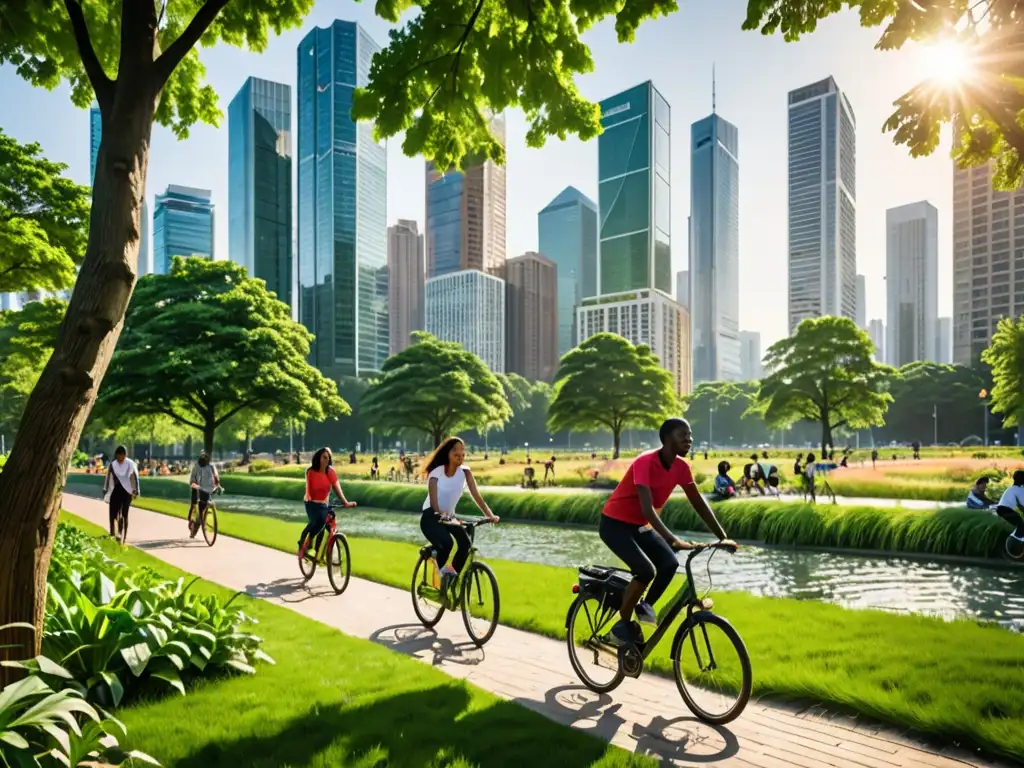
33,478
616,438
826,438
209,433
437,435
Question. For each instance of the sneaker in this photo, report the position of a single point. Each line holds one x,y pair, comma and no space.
626,633
645,614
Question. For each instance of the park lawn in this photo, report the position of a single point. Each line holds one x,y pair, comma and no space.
958,681
335,700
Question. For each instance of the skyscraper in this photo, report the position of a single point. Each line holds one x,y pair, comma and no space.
342,206
862,302
912,282
182,226
406,274
715,249
531,317
260,183
822,203
634,193
944,340
683,288
750,355
876,330
468,307
567,234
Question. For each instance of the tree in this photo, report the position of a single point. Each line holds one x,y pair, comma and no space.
529,402
1006,356
923,390
825,373
985,104
26,343
608,383
435,387
205,344
43,220
719,411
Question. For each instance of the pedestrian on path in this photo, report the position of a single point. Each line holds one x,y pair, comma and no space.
120,487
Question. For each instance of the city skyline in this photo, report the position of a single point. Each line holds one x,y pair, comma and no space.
911,278
184,222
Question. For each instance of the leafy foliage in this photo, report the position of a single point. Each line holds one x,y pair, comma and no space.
608,383
26,342
436,387
206,342
825,372
1006,356
719,412
924,388
529,402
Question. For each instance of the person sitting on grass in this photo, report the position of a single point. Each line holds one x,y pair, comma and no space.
725,488
978,497
1011,509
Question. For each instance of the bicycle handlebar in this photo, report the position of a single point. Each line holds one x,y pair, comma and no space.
699,548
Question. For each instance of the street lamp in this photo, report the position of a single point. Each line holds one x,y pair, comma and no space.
984,409
527,451
935,424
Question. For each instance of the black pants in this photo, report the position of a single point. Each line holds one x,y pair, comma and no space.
644,551
441,537
120,500
200,498
316,513
1014,518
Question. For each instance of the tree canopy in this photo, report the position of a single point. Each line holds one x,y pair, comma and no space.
44,220
719,413
986,104
825,373
26,343
204,343
1006,357
923,390
435,387
608,383
529,402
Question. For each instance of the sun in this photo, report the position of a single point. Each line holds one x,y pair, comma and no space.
947,62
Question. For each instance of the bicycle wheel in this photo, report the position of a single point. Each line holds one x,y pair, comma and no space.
426,592
481,603
594,660
307,563
210,525
713,681
339,566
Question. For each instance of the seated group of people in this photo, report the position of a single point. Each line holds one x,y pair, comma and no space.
757,475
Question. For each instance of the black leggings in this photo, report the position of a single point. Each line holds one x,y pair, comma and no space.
1014,518
440,537
644,551
316,514
120,500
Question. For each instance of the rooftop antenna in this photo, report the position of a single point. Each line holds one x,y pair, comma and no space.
713,104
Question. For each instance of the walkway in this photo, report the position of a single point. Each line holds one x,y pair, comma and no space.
645,716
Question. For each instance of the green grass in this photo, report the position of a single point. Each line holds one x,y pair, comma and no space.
957,681
947,532
335,700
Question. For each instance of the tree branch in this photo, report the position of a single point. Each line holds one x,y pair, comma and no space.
187,40
179,419
233,411
102,85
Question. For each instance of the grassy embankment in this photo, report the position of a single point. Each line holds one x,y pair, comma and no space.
336,700
957,681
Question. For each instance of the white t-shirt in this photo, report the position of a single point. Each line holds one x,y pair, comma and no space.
449,489
1013,497
123,471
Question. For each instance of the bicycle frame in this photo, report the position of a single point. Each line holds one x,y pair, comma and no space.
456,587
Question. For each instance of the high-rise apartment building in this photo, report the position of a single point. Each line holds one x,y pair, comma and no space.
750,355
183,221
260,183
567,234
876,330
988,270
715,249
531,317
342,206
634,193
468,307
822,203
862,302
912,282
406,275
944,340
683,288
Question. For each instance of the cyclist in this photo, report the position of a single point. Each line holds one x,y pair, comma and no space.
320,480
447,477
120,486
1011,504
632,528
204,481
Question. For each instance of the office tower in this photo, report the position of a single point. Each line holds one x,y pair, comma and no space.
912,282
9,302
634,193
468,307
465,216
342,206
862,302
95,137
406,274
531,317
260,183
715,249
750,355
876,330
644,317
182,226
944,340
683,288
567,234
988,276
145,254
822,203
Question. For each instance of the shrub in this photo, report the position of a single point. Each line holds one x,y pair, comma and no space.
259,466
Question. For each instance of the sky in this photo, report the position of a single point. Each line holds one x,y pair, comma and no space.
754,74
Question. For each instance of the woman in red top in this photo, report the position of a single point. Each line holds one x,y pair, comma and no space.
320,479
632,528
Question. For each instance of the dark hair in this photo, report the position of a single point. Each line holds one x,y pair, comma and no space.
723,467
1018,477
315,464
120,449
670,426
982,479
753,457
810,457
439,458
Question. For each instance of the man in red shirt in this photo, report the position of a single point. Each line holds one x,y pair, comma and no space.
632,528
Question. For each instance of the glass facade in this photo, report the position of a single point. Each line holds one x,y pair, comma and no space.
95,136
260,183
182,226
342,206
444,221
567,234
468,307
714,250
634,192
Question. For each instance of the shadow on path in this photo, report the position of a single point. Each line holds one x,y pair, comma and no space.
417,640
289,591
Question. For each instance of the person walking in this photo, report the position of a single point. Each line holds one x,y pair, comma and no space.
120,489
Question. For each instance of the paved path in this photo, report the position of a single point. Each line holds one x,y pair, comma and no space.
645,716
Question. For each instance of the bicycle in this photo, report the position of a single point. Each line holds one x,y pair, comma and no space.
333,552
603,587
206,518
465,592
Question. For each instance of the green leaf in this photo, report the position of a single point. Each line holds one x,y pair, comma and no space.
171,678
137,656
15,739
1006,357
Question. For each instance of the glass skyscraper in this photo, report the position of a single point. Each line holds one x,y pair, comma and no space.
182,226
342,213
567,234
634,192
260,183
715,249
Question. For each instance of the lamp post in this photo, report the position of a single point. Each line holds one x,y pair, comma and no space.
711,426
983,395
935,424
527,451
